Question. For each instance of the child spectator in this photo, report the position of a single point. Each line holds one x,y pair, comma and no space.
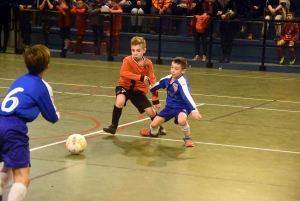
135,76
81,24
179,102
64,23
138,7
117,26
289,34
96,21
5,17
47,18
203,7
28,96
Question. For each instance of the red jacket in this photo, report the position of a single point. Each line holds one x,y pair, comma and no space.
63,8
290,31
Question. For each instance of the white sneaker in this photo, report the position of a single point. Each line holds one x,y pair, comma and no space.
197,58
204,58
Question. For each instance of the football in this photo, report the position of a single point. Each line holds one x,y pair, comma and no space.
76,144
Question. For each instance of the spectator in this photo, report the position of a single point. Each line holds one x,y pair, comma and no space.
24,17
96,21
64,23
5,18
203,7
81,24
252,10
117,26
273,10
228,29
138,7
47,18
126,5
160,7
289,35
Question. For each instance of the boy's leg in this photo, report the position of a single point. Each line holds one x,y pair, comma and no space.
185,128
117,112
154,127
5,177
21,182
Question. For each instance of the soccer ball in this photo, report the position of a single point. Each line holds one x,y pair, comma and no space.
76,144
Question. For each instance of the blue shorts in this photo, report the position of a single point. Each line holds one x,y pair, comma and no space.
14,142
169,113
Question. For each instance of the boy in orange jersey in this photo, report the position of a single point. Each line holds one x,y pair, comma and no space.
136,75
289,34
63,23
81,24
117,26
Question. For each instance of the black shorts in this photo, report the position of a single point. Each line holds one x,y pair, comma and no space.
137,98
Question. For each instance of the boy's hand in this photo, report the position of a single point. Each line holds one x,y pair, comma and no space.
146,80
196,114
291,43
157,105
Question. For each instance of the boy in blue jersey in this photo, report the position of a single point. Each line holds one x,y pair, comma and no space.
28,96
179,103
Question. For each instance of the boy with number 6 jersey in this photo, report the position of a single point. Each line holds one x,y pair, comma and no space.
179,103
28,96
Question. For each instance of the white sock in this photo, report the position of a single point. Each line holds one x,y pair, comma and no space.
186,130
4,179
154,131
17,192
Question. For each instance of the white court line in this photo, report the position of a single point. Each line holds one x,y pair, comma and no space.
165,139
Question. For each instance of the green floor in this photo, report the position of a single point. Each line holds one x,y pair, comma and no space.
247,146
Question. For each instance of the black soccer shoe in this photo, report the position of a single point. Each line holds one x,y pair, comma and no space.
111,129
162,131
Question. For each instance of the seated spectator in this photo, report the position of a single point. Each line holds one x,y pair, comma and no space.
138,7
252,10
47,18
5,17
160,7
289,35
273,10
126,5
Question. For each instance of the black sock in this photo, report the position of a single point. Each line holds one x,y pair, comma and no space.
116,115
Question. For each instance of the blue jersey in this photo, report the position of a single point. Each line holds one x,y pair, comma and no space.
27,97
178,93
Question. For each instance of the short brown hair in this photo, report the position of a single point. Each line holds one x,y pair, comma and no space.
137,40
181,61
37,58
291,13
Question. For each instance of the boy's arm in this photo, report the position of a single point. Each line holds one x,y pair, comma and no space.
73,10
80,10
155,98
46,105
296,36
186,95
166,4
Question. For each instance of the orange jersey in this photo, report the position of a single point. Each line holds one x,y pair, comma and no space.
132,72
63,20
81,22
117,19
290,31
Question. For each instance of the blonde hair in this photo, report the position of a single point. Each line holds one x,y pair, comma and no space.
37,58
137,40
181,61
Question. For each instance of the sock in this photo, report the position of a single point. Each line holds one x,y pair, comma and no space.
116,115
154,131
279,51
186,130
17,192
153,117
67,42
4,179
292,52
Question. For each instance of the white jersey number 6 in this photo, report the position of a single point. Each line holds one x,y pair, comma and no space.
9,97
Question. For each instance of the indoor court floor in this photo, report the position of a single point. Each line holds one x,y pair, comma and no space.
247,146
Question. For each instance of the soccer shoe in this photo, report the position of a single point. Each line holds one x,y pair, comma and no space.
249,36
162,131
243,29
293,61
203,58
147,133
197,58
281,60
111,129
188,142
